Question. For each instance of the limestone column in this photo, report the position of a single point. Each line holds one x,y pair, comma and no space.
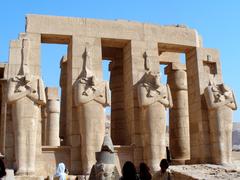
44,125
53,111
63,106
179,115
118,123
3,86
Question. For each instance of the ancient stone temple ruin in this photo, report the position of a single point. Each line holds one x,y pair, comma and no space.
39,128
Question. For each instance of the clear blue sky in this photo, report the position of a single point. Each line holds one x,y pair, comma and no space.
217,21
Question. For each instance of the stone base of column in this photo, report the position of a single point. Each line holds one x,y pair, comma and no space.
179,161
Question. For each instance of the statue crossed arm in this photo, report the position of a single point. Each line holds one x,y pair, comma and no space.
215,98
18,89
16,92
86,91
148,95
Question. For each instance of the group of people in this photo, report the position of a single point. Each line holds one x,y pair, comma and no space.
129,172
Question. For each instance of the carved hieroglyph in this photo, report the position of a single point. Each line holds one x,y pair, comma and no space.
154,98
26,95
221,102
91,95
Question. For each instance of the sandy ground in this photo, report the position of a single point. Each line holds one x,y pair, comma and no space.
210,172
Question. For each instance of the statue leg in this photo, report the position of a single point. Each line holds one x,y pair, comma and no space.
228,137
155,129
32,138
218,137
99,127
21,152
20,145
88,136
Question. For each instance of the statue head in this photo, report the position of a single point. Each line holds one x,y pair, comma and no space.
105,165
152,78
105,171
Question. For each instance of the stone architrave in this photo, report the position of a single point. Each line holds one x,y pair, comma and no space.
105,168
179,114
91,96
53,117
220,102
26,95
154,98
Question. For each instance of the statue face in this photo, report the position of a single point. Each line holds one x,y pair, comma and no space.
105,172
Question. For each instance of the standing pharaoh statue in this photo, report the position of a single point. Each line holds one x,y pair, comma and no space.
26,95
154,98
91,96
220,102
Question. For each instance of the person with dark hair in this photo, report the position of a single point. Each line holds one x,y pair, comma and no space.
144,172
2,167
163,174
129,171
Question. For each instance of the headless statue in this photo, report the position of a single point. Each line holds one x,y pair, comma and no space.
220,102
26,95
154,98
91,96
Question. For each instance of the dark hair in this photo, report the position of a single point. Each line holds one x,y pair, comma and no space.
144,172
129,171
2,168
164,164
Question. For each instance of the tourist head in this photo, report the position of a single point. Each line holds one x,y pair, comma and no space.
143,167
144,171
129,170
164,165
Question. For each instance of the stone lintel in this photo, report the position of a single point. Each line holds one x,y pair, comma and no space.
174,67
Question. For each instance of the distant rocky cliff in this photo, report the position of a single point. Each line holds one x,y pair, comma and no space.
236,136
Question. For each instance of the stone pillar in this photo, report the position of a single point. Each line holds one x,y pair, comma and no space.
44,125
53,111
118,123
179,114
3,110
63,113
198,79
